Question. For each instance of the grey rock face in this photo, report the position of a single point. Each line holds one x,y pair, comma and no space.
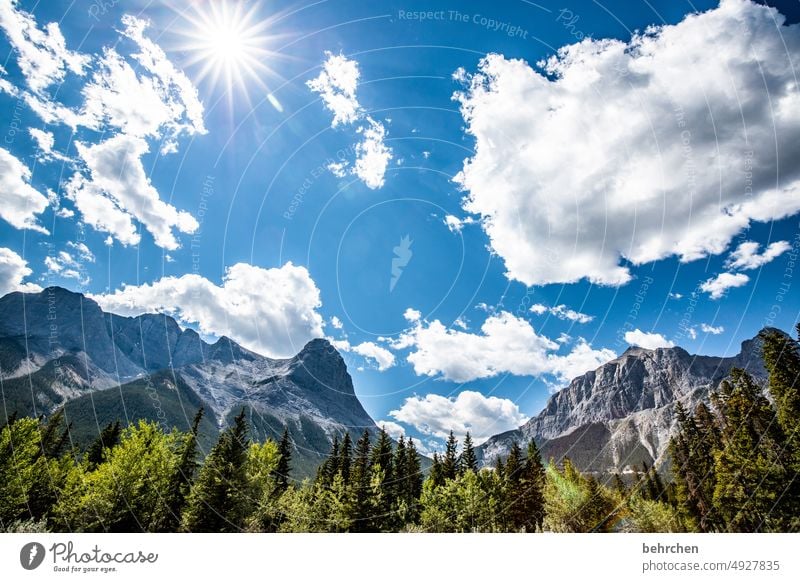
622,413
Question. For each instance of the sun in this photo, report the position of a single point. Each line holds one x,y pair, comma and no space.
227,43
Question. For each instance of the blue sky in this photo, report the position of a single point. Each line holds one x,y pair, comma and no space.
540,218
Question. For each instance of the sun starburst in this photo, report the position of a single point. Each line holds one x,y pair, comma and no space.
227,42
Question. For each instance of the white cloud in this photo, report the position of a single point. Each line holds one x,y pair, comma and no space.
372,155
562,312
100,212
336,85
13,269
116,170
65,265
21,202
676,296
644,118
470,411
455,224
505,344
412,315
270,311
711,329
42,54
746,255
650,341
158,102
338,169
381,356
717,286
45,141
336,323
133,97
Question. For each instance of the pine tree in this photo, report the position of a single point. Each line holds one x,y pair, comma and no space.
345,458
468,460
692,451
436,475
532,485
284,467
218,501
450,461
782,360
53,437
651,488
500,468
619,486
752,468
413,473
360,479
182,478
106,440
400,470
382,483
330,467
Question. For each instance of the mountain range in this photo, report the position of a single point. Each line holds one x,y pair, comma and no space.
621,414
59,348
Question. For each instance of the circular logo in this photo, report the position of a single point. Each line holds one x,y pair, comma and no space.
31,555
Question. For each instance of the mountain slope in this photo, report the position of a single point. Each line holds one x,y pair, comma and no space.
621,414
58,348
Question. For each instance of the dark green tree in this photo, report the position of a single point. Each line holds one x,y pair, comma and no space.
182,478
346,457
436,473
218,501
752,468
360,481
382,486
284,467
531,491
468,460
450,460
105,441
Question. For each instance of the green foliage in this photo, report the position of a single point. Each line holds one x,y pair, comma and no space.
734,468
574,503
219,500
126,492
649,516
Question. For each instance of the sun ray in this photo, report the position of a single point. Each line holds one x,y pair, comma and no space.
226,43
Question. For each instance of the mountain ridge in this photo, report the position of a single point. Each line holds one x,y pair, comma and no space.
58,348
620,415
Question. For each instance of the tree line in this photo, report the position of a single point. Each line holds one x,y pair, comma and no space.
733,466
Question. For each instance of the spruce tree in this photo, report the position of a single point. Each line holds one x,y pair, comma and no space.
360,479
345,458
752,468
532,490
106,440
782,360
450,461
468,460
413,473
619,486
53,437
382,483
218,501
400,469
182,478
692,451
436,474
284,467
